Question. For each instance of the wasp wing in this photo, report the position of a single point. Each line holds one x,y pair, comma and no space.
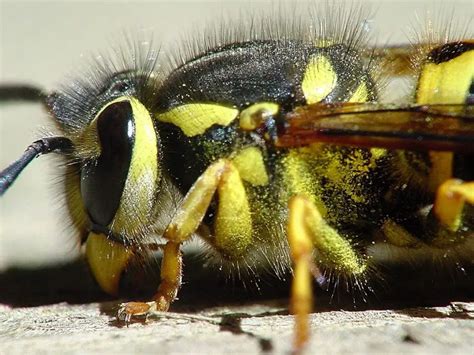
394,61
427,127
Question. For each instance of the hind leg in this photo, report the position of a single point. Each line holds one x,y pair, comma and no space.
451,198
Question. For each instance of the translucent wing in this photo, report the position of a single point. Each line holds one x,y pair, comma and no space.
427,127
396,61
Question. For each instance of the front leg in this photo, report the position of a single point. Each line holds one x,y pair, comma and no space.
233,221
171,269
233,230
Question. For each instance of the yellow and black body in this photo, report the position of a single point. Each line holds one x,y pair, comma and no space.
272,151
203,116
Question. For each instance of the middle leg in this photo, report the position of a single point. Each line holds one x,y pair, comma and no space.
307,232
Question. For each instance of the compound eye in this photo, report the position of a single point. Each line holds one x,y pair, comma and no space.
103,178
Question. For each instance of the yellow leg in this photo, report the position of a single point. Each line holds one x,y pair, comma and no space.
233,222
171,268
195,204
232,230
307,231
335,250
301,248
451,197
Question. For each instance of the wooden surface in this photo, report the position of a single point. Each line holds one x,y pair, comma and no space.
61,310
236,329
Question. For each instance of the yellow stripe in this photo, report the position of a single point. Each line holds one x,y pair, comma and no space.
319,79
447,82
195,119
361,94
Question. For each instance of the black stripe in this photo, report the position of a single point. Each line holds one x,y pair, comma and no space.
449,51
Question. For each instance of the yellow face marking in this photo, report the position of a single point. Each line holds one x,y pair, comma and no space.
195,119
140,187
446,82
253,116
107,260
319,79
361,94
249,162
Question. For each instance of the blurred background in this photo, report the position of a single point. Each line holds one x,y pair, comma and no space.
45,42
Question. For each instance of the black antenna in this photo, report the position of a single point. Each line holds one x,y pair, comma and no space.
20,92
35,149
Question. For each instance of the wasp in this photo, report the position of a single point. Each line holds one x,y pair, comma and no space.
270,144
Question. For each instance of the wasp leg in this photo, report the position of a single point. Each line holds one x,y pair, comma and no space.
307,231
301,250
233,230
451,197
108,260
171,268
233,226
449,216
446,223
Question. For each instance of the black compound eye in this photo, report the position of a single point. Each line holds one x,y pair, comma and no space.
103,179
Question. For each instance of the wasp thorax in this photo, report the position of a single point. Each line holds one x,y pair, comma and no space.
119,184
